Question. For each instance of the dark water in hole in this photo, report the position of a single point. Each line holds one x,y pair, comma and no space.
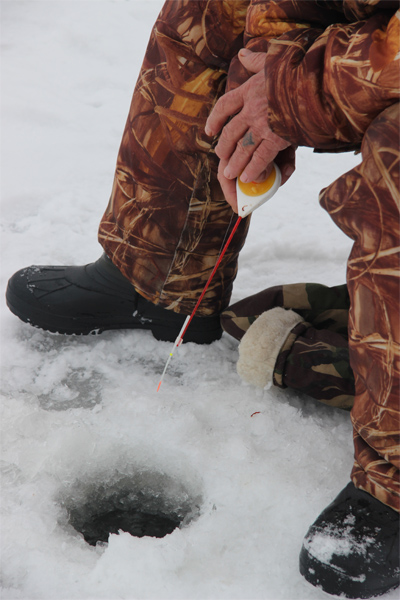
135,522
144,504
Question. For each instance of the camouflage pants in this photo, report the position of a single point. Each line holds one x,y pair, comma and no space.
167,219
365,203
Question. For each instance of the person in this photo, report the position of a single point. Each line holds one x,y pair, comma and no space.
227,87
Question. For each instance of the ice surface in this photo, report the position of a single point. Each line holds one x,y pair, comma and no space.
257,467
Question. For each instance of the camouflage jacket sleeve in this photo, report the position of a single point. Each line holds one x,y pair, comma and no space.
331,67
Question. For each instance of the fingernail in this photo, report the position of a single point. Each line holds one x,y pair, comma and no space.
207,130
244,178
244,52
227,173
289,170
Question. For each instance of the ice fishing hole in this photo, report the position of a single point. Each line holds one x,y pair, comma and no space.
144,504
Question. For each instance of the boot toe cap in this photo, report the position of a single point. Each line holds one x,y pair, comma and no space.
352,549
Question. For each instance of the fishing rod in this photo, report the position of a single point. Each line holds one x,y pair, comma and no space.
249,197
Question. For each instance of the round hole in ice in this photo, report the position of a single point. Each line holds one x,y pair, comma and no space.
143,504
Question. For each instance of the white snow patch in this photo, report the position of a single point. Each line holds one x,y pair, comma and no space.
323,545
81,409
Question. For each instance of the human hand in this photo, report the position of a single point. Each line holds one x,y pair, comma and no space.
247,146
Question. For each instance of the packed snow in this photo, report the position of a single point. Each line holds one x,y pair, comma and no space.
249,469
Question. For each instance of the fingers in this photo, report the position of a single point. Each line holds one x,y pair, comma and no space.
228,186
232,137
229,104
253,156
252,61
286,161
254,165
247,146
236,154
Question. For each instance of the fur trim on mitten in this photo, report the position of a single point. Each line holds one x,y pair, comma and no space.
261,344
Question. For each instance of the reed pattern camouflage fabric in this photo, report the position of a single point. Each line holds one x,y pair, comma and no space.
332,74
314,359
344,76
167,218
365,203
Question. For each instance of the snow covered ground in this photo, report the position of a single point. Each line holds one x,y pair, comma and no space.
83,412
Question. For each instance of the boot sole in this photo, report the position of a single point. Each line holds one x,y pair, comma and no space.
79,326
333,581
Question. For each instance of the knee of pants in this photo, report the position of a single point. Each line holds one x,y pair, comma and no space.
364,202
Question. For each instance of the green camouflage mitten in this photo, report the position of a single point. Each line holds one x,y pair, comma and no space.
295,336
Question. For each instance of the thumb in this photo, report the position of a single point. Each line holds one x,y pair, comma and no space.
252,61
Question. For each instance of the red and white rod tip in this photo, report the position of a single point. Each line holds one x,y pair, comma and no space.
177,343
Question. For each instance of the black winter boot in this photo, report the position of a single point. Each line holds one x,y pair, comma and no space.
352,549
94,298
